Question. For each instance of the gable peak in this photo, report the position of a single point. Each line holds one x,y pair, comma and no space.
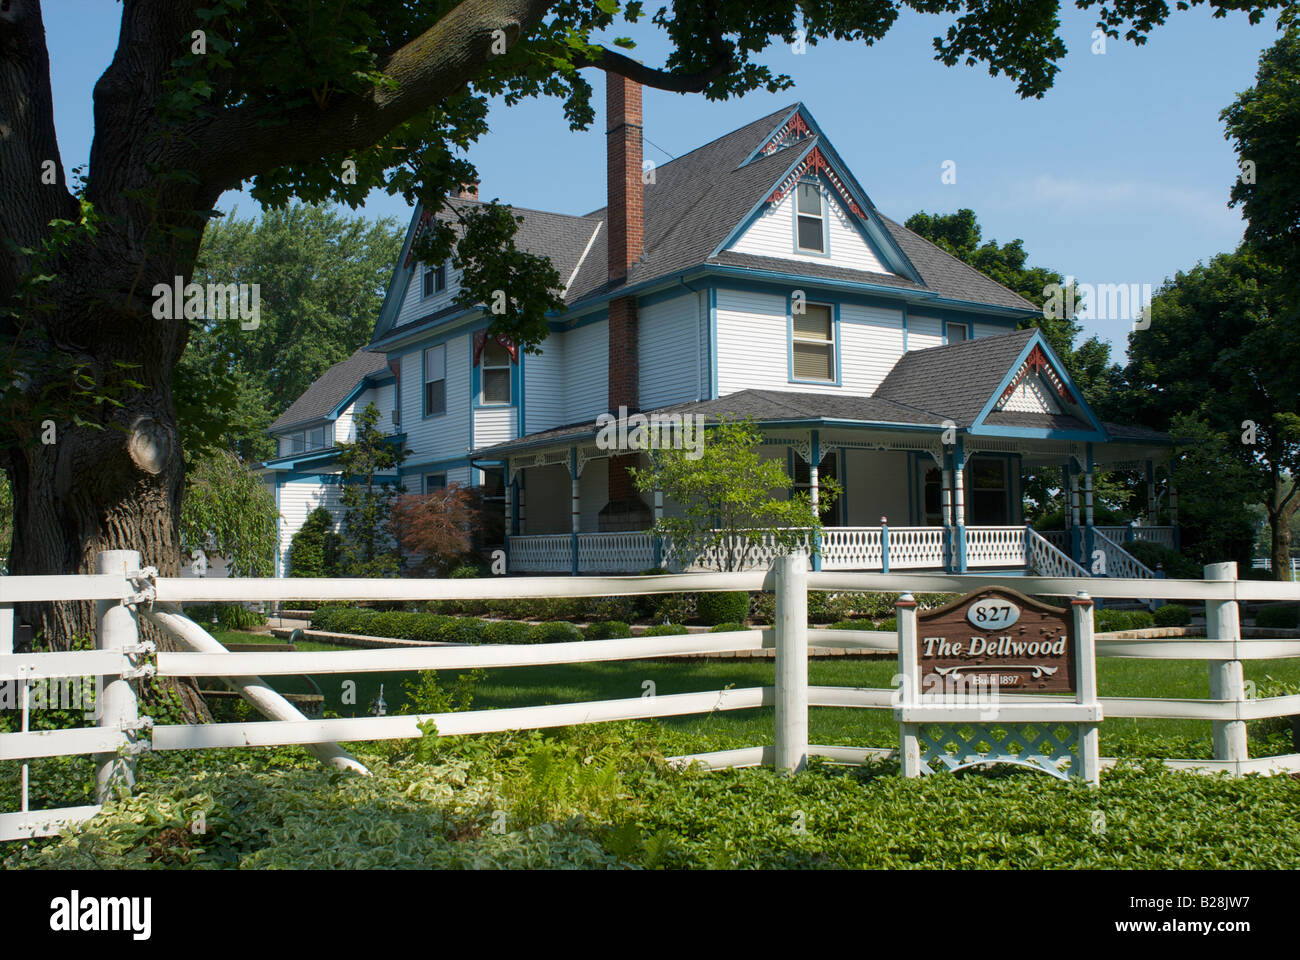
815,162
795,129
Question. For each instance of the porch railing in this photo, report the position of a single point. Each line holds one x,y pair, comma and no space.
631,551
995,546
915,548
1119,562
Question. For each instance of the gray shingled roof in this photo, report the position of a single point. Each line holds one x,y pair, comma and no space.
957,379
330,389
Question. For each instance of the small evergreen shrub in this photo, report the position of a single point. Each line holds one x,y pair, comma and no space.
727,627
608,630
1172,615
229,616
1109,621
664,630
1286,617
556,631
466,571
507,631
613,608
671,607
890,624
727,606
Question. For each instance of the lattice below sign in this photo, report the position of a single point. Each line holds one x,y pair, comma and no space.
1049,748
981,684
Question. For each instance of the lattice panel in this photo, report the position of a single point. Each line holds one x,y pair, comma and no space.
1048,747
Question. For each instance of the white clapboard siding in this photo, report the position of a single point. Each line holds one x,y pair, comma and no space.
753,345
586,372
670,370
772,235
381,396
445,436
991,329
923,332
416,306
495,425
544,385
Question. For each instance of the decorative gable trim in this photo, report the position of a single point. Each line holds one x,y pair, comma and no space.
815,162
1038,363
791,132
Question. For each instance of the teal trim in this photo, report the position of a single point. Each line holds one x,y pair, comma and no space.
395,296
596,315
279,531
713,343
758,150
573,544
447,463
789,341
884,548
943,325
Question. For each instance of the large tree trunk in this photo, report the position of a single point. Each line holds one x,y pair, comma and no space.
1281,508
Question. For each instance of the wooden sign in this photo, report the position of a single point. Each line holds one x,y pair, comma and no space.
999,639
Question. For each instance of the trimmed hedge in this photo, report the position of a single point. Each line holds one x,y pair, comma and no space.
434,627
1282,617
554,632
727,627
608,630
727,606
1172,615
665,629
1107,621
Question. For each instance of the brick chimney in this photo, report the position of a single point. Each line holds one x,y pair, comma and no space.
625,222
467,191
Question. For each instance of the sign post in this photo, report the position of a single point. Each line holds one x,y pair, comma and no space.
986,679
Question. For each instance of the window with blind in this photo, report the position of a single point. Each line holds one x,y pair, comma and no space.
496,373
810,214
435,380
812,345
957,332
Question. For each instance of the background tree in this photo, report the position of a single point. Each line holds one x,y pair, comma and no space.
437,526
1221,347
313,551
731,499
321,277
323,102
368,547
1216,486
228,511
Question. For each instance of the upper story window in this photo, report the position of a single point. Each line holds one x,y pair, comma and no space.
957,332
812,346
297,442
496,373
810,217
316,438
435,380
435,279
434,481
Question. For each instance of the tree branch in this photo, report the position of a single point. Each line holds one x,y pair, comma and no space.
613,62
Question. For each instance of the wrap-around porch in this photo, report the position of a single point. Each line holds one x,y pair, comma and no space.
910,502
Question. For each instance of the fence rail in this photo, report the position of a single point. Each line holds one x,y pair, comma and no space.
124,593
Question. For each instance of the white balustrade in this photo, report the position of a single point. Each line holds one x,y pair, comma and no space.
1046,560
851,548
624,552
912,548
542,554
993,547
1119,562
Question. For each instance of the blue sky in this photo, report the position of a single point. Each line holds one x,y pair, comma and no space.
1120,174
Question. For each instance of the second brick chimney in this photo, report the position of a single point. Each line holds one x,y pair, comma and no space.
625,222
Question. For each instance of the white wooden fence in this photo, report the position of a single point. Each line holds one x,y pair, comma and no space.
123,593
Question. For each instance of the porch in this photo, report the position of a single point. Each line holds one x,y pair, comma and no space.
880,549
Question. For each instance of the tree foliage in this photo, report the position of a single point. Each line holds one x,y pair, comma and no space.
437,525
314,549
369,546
731,499
321,277
228,511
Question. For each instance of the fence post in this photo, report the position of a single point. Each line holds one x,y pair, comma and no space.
117,707
791,662
1085,651
909,693
1223,622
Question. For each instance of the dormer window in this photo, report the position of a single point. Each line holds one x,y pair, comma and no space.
958,332
810,217
435,280
496,373
316,438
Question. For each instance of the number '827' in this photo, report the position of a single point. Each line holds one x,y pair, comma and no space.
993,613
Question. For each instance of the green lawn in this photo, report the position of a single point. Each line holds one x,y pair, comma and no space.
571,683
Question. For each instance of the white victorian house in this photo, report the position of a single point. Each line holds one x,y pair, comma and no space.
752,277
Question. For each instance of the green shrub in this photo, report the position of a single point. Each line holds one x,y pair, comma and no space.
507,631
466,571
852,625
828,607
1172,615
1284,617
727,627
664,630
671,608
228,616
626,609
763,608
890,624
313,551
608,630
1107,621
555,631
728,606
